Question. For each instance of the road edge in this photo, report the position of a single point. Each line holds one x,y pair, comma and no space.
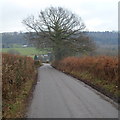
102,92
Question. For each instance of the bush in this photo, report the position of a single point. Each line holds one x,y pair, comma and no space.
101,71
37,63
103,67
16,71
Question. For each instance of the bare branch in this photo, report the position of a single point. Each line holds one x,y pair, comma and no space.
57,27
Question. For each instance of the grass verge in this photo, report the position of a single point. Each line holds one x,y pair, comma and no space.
17,109
106,88
100,72
109,89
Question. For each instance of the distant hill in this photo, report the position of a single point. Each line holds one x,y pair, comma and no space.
100,38
9,39
104,38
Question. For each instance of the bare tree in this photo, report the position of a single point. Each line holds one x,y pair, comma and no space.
60,29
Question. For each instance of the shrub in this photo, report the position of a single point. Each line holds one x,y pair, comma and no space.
37,63
16,71
103,67
101,71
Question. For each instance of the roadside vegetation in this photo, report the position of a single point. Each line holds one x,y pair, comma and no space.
61,32
100,72
18,77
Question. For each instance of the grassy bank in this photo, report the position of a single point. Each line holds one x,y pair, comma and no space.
18,78
28,51
99,72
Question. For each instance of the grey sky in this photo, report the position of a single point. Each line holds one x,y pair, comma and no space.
98,15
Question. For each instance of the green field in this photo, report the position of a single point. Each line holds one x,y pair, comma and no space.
28,51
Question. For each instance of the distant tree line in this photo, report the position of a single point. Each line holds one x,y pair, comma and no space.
104,38
9,39
100,38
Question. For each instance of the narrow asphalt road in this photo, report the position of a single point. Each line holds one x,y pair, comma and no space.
58,95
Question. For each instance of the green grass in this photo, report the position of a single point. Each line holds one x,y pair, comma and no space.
29,51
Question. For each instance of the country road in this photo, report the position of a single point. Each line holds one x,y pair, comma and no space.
58,95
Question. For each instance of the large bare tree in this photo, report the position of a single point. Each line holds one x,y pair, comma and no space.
60,29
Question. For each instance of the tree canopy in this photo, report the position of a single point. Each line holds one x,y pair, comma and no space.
60,29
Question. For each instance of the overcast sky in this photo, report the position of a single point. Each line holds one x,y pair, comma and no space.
98,15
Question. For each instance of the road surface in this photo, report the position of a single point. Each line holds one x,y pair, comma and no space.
58,95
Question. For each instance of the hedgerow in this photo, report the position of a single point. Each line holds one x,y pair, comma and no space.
16,72
101,71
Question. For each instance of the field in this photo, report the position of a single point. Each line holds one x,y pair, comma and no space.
101,72
28,51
